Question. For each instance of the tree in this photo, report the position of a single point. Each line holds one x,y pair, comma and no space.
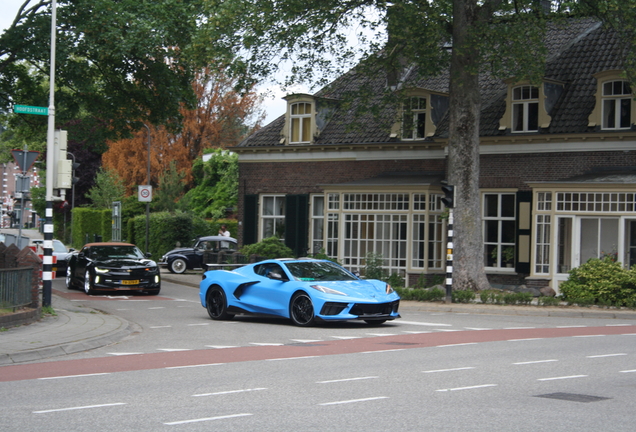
115,61
217,185
108,188
472,39
219,120
170,189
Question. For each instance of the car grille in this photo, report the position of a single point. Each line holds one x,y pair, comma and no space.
364,309
332,308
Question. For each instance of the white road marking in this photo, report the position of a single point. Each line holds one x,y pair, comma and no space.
346,380
458,344
561,378
126,353
382,351
198,324
449,370
606,355
229,392
467,388
207,419
519,328
417,332
219,346
572,326
535,362
194,366
381,334
266,344
74,376
158,327
173,349
78,408
353,401
628,371
618,325
585,336
158,307
346,337
424,324
476,328
306,340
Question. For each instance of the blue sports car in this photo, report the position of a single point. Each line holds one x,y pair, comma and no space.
303,290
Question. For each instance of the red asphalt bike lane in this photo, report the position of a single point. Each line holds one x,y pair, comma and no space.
194,358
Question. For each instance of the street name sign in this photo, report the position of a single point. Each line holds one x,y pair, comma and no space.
26,109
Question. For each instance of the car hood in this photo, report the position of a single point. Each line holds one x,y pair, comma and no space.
126,263
179,251
355,288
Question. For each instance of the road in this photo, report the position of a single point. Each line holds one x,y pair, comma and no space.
425,372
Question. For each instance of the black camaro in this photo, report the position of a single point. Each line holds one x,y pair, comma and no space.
112,267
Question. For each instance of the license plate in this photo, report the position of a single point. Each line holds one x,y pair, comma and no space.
130,282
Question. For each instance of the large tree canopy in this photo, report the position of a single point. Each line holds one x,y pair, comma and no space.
469,39
115,61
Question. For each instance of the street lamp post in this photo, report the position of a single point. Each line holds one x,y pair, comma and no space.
147,203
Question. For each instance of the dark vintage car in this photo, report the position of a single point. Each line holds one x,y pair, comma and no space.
112,267
60,252
181,259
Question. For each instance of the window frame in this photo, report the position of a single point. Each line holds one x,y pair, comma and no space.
499,245
418,118
275,217
618,105
525,103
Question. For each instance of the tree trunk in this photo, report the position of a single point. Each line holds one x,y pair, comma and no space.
463,150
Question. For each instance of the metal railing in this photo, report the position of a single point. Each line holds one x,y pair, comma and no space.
15,287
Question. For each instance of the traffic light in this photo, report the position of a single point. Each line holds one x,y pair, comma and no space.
449,194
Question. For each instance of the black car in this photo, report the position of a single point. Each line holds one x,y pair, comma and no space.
181,259
112,267
61,253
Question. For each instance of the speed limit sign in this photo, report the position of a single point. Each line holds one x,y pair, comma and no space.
144,193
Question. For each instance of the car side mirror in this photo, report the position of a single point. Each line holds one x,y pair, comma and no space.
147,254
276,276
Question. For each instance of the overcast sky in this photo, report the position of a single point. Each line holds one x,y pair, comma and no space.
273,104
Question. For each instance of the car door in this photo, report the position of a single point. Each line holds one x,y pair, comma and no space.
270,295
82,261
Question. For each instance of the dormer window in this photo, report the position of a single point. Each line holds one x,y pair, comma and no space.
525,109
414,119
300,122
617,102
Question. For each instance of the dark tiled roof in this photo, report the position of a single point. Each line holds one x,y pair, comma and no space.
576,50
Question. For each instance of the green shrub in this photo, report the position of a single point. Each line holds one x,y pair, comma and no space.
549,301
462,296
421,294
271,247
373,266
600,281
395,280
517,298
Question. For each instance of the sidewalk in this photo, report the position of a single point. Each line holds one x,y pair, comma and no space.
77,328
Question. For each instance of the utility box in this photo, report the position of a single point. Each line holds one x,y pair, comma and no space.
64,179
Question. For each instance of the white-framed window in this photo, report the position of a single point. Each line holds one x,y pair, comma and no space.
273,216
428,233
525,109
617,102
499,229
300,115
317,224
542,251
414,118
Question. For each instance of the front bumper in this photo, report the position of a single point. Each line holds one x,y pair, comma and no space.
335,311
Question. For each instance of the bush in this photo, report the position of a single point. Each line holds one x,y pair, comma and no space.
549,301
462,296
517,298
600,281
395,280
271,247
373,267
420,294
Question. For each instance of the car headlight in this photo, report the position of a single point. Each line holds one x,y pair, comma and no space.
389,289
101,270
326,290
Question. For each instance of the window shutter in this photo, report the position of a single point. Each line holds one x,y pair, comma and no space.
250,219
524,227
297,223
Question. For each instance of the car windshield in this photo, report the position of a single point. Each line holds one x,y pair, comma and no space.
58,246
319,271
109,252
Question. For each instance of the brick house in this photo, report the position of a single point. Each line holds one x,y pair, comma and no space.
558,168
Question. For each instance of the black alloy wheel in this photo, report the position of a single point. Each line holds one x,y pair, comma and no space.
88,284
301,310
216,304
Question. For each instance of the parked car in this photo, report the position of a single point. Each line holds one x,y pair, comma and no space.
181,259
303,290
60,251
111,266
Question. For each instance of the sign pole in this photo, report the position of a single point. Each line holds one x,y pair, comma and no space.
47,263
